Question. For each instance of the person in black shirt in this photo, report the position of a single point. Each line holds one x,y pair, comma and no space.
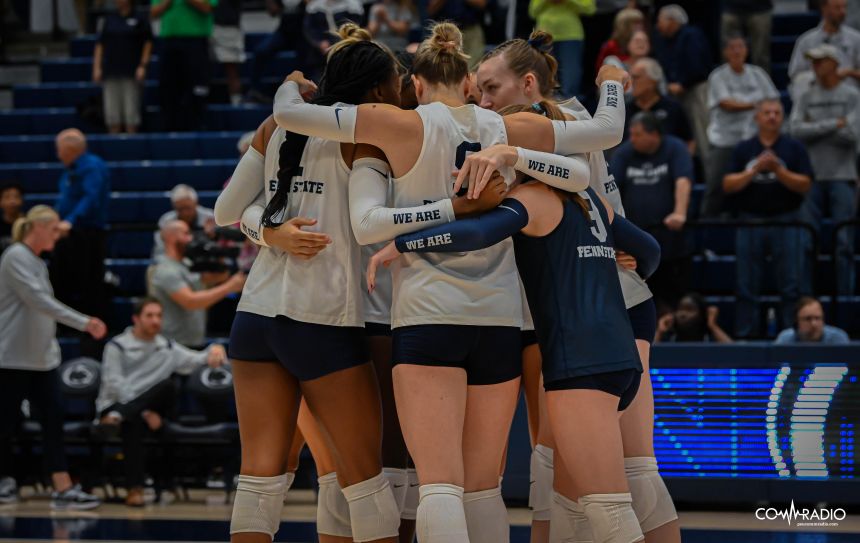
647,95
119,64
11,202
771,173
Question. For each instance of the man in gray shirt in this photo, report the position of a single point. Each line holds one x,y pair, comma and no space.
734,90
181,292
200,219
136,387
827,119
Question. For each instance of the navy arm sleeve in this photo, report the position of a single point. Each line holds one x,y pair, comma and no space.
638,243
468,234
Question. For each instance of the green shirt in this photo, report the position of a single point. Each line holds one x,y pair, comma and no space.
182,20
561,18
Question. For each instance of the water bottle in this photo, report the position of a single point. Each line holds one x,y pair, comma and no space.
771,322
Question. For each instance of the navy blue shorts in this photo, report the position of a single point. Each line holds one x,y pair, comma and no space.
622,383
489,354
528,338
308,351
643,318
376,329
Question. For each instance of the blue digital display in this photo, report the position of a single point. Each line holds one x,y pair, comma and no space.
790,422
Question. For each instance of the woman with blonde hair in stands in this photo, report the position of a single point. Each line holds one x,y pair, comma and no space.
30,354
455,318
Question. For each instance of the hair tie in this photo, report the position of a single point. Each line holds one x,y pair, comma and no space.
537,106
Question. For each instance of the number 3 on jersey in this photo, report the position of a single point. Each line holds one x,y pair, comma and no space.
462,152
598,229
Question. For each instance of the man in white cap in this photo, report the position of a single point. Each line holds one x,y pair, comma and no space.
827,119
832,31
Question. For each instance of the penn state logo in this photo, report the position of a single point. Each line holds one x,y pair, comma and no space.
216,378
79,374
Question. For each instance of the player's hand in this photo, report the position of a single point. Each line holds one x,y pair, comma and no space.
307,88
490,198
675,221
290,237
96,328
625,260
384,256
613,73
480,167
217,356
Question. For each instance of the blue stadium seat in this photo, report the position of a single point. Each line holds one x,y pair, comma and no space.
781,48
27,149
38,121
794,24
131,274
67,69
130,243
39,177
245,117
779,74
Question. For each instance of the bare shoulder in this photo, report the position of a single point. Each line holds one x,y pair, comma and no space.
264,134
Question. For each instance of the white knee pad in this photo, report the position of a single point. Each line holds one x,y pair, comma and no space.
540,487
399,481
291,477
568,523
487,516
372,510
257,505
441,518
332,508
611,518
651,500
410,503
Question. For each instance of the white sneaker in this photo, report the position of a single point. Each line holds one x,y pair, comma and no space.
8,490
74,498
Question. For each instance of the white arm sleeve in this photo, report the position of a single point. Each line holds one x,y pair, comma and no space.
252,221
604,131
566,173
244,187
372,221
326,122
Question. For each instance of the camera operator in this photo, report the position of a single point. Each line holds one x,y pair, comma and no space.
201,220
181,291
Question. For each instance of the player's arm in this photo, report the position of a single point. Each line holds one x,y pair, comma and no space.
246,183
637,243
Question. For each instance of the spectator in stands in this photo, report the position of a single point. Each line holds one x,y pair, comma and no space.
627,22
137,390
186,26
390,22
691,321
826,118
11,204
852,17
291,13
468,15
683,51
562,20
654,174
77,266
752,19
648,95
638,48
830,31
30,355
120,60
228,44
734,89
322,19
769,175
809,326
201,220
181,292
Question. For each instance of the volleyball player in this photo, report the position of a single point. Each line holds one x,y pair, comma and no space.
450,312
523,72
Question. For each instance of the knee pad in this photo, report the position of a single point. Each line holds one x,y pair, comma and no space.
332,508
410,502
441,517
651,500
611,518
372,510
540,487
568,523
291,477
257,505
486,516
399,481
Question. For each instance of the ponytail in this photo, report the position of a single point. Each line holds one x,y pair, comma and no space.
24,225
440,58
531,56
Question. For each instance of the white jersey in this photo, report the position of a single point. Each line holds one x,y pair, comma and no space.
633,287
326,289
473,288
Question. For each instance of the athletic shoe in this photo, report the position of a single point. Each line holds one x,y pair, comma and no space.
74,498
8,490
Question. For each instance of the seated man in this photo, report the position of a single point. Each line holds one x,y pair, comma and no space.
809,326
137,389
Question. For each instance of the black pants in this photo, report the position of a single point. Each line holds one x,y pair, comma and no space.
161,398
42,389
184,85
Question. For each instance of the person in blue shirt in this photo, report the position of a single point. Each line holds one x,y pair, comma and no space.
77,266
809,326
770,173
654,173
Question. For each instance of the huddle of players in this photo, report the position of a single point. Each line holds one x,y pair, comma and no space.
324,185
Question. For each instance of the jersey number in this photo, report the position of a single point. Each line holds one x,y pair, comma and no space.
598,229
462,151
